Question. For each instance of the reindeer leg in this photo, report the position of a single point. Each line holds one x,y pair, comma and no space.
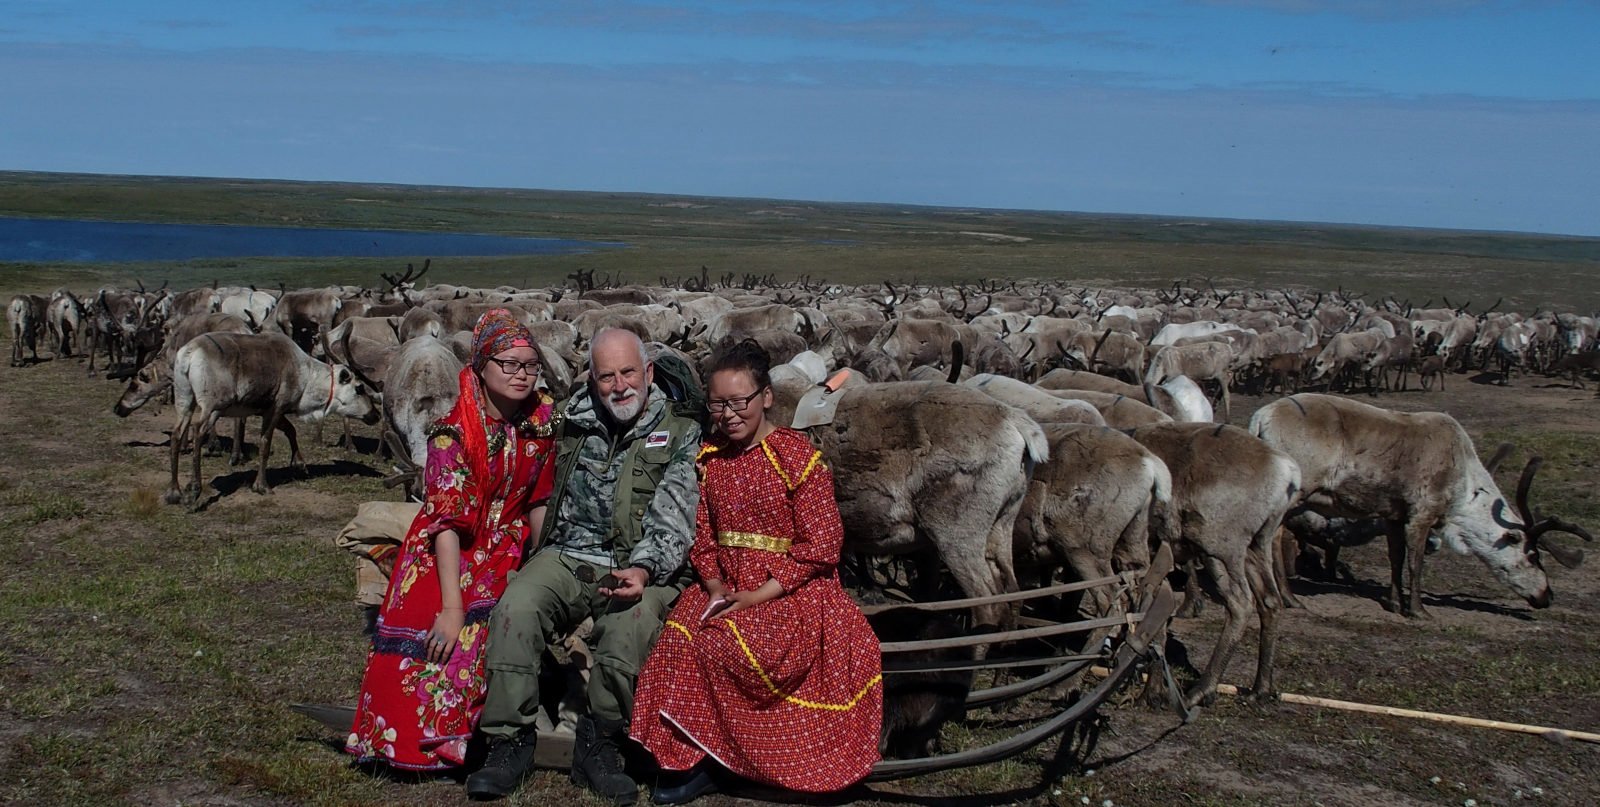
1284,550
1416,535
269,425
236,457
346,442
1234,588
179,432
1397,564
208,424
296,460
1267,610
1193,598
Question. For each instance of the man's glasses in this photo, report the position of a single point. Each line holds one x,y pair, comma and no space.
733,404
512,366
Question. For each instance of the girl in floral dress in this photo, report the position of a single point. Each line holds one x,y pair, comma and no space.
767,667
489,472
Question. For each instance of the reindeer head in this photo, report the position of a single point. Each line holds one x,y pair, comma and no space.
1533,528
1516,544
152,379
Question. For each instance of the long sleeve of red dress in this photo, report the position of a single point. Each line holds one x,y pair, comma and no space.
703,552
818,533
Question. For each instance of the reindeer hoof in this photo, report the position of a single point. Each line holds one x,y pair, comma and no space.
173,496
1198,700
261,489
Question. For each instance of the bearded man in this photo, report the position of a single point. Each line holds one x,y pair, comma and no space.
614,547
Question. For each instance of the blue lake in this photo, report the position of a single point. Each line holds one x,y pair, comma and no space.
73,241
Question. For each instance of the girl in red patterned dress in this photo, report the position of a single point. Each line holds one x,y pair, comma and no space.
489,472
767,667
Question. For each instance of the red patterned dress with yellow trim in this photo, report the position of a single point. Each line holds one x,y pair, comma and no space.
788,692
413,713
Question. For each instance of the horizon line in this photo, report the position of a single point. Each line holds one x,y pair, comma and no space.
1178,217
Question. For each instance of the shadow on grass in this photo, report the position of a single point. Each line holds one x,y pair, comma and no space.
359,444
240,480
1379,592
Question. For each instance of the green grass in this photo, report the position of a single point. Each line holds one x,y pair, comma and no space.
672,237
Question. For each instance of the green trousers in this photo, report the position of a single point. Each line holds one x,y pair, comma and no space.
546,598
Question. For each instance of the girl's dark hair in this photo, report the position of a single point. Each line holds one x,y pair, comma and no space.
746,354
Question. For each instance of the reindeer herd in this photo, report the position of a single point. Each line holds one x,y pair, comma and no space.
999,434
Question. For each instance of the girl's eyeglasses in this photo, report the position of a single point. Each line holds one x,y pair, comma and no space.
733,404
512,366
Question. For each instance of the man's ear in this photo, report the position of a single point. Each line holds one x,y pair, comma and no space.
649,373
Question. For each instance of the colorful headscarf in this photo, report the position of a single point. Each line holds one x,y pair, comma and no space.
496,332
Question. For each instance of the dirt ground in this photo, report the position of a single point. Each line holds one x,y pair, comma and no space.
148,654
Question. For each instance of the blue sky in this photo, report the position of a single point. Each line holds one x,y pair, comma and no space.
1472,114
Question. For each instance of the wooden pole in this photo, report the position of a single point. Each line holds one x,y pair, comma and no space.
1393,711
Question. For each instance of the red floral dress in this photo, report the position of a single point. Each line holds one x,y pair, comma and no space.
412,713
788,692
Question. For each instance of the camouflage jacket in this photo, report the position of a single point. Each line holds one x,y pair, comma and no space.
657,533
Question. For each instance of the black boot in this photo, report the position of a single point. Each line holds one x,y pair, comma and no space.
597,760
504,767
687,786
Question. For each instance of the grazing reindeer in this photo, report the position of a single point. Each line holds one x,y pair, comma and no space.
1421,472
239,375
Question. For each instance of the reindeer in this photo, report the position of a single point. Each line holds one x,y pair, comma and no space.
1421,472
64,318
1097,506
1207,361
402,286
155,377
1172,332
26,318
1230,492
239,375
913,475
303,313
1178,398
418,386
1039,404
249,304
1344,354
1576,364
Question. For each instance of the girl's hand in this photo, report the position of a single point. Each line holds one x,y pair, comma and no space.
740,600
446,633
715,588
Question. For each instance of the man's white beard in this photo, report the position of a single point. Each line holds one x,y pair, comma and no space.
626,411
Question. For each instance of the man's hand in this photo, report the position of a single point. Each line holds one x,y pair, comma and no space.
632,582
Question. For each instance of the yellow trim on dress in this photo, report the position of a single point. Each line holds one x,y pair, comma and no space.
673,623
756,665
753,540
816,459
772,457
